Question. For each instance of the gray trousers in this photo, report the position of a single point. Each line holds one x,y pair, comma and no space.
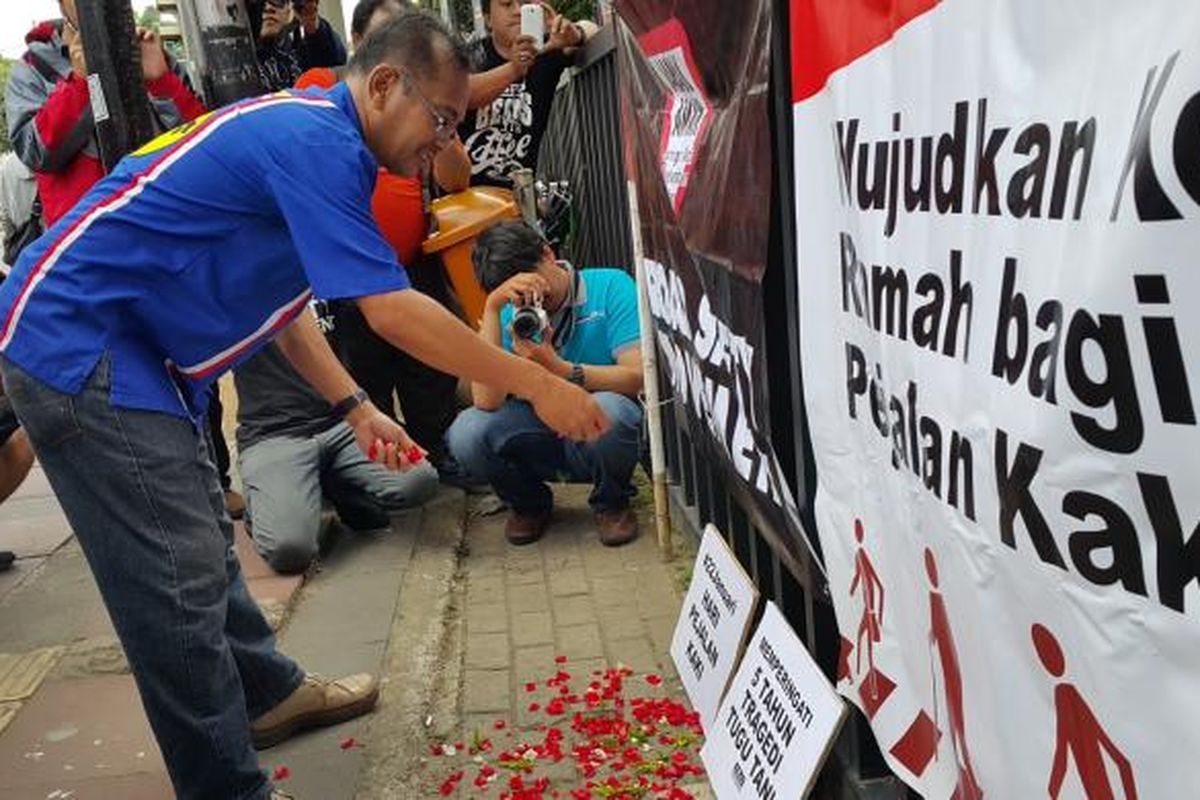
287,479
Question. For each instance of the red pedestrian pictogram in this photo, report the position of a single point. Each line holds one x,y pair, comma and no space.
872,591
941,643
1079,733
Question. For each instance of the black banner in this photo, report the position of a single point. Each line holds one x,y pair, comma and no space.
695,108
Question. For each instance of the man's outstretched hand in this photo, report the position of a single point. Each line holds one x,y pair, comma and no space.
569,410
383,440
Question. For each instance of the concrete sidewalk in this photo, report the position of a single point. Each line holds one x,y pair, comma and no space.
455,620
71,723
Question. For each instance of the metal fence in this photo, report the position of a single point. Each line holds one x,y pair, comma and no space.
583,145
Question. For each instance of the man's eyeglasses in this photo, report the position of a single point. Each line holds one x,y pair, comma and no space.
443,127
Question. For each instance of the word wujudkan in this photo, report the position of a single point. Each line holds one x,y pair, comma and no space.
929,173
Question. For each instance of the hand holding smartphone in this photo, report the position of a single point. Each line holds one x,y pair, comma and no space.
533,23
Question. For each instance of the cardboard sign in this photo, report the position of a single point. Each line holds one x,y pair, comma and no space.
778,720
713,624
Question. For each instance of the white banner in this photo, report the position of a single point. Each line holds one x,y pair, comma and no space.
998,209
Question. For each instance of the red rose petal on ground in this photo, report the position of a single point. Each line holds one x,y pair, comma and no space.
534,707
281,773
560,659
438,750
499,724
531,687
348,742
653,680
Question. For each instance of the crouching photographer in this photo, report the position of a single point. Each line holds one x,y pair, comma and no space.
583,326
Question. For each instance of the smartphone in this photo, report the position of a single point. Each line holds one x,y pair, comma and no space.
533,23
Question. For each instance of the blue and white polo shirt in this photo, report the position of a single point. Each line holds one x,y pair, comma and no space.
198,248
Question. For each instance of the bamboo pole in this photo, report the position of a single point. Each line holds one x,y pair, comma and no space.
658,465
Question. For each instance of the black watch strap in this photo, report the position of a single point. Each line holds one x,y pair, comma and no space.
348,404
577,377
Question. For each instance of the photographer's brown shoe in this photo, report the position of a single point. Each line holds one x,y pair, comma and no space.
315,703
616,527
525,528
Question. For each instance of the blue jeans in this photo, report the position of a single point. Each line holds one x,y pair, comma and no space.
286,478
143,498
516,453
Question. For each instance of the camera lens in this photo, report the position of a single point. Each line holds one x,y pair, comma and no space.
527,323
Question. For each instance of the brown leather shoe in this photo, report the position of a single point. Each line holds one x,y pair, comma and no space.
616,527
316,702
525,528
235,504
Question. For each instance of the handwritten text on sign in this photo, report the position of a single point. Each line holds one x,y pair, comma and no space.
712,626
774,727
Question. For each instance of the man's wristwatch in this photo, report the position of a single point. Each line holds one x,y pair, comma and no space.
576,377
348,404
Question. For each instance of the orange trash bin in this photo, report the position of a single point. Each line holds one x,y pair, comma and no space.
458,219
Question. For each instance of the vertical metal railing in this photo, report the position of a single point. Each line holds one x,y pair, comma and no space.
583,146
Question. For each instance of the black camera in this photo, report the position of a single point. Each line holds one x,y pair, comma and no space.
530,322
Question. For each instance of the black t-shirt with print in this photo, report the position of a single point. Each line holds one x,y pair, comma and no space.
505,135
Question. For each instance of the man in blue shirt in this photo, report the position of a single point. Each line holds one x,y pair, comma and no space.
194,253
591,338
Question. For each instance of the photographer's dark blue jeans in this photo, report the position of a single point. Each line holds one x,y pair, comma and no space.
145,503
516,453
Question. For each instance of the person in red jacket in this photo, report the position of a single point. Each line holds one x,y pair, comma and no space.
50,121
